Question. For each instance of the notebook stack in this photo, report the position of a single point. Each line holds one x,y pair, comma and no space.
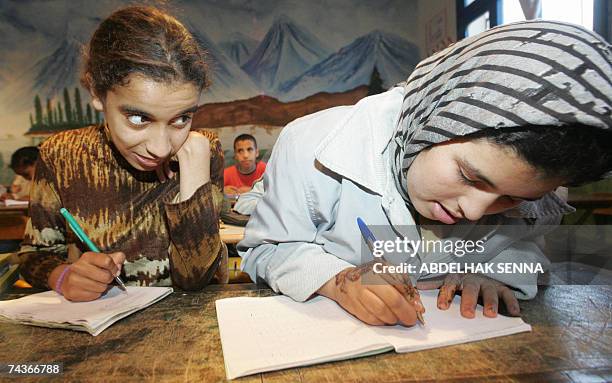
49,309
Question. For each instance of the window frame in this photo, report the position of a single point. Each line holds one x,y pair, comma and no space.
467,14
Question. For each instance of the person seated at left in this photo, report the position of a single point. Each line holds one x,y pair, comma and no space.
240,177
22,163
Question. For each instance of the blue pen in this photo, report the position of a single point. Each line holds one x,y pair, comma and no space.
367,235
78,230
369,239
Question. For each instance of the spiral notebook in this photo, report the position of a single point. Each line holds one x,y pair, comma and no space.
49,309
273,333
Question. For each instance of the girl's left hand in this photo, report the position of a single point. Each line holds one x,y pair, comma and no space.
196,147
194,164
193,157
473,286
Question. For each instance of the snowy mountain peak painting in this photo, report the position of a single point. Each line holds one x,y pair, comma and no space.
239,47
393,56
228,81
285,52
57,71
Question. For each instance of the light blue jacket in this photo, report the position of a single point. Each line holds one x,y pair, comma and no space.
247,201
331,167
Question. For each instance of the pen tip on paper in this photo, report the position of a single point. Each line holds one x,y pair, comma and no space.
121,285
420,318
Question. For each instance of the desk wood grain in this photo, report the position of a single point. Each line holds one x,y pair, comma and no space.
177,340
231,234
591,200
12,224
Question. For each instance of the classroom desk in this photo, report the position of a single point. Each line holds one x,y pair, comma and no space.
590,202
231,234
13,221
177,340
22,209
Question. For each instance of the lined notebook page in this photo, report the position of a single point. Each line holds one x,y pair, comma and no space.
273,333
264,334
447,327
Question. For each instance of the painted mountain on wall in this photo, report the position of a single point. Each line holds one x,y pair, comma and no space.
393,56
282,66
239,48
59,70
286,51
229,82
46,77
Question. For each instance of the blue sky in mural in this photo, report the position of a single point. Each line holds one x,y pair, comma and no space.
285,49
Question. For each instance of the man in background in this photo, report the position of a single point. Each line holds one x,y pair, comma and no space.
23,163
239,178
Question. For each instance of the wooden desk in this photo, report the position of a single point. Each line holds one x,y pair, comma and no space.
177,340
13,221
22,209
590,202
231,234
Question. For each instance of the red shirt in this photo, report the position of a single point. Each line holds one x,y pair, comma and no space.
232,177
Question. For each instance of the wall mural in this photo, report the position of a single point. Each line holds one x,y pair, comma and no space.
272,61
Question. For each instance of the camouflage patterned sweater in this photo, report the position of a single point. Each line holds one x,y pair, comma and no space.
122,209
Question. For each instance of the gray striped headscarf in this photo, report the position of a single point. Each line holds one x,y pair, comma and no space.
528,73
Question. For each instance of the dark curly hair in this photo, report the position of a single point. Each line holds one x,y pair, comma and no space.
144,40
25,156
577,154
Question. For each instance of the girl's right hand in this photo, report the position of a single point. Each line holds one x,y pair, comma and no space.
376,303
88,277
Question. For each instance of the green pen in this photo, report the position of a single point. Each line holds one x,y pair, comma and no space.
78,230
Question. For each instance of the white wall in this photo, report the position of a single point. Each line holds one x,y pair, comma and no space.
437,25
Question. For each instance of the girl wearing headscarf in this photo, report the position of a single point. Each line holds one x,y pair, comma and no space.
482,133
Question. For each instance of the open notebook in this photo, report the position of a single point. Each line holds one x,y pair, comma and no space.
272,333
49,309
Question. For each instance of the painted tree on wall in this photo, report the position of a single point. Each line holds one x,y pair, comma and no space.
78,107
38,110
376,83
49,119
60,117
67,105
88,115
